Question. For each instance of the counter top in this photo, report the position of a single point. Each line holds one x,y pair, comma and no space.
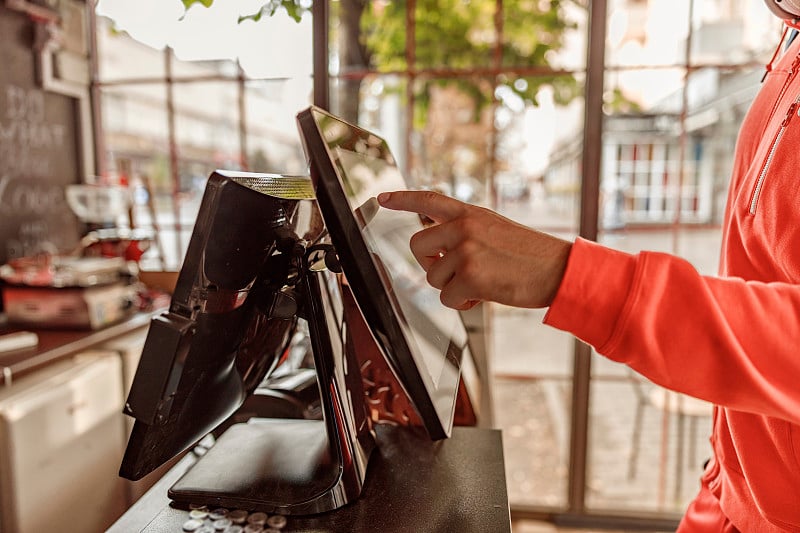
412,484
57,344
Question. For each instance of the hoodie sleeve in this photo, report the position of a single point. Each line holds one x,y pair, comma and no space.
725,340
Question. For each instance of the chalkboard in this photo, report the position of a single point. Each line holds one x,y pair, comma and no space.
39,150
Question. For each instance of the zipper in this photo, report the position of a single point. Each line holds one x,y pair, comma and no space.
771,154
793,69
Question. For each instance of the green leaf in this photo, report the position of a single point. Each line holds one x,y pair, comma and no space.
295,11
189,3
294,8
255,17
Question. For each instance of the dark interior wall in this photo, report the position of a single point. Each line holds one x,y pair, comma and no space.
39,150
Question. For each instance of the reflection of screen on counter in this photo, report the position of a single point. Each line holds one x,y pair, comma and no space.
423,341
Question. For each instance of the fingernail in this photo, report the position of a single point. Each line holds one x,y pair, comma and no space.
384,197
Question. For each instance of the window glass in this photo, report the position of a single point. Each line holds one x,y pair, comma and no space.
535,180
651,33
544,35
123,58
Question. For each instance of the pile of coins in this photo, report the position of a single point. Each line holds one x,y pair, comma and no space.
203,520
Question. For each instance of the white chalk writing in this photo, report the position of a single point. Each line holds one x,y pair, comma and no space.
20,196
26,138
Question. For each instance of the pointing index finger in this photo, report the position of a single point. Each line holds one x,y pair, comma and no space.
434,205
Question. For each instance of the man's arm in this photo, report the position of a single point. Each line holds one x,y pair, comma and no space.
729,341
725,340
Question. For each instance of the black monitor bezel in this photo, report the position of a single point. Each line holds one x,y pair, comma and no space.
365,280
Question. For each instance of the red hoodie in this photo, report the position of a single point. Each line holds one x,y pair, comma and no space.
733,340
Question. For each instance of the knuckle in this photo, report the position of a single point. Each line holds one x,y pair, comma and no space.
463,227
472,270
468,250
470,226
431,196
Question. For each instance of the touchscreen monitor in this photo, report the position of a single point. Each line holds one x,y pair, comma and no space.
423,341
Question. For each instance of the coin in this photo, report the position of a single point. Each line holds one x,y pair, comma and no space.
277,521
216,514
234,529
257,518
206,529
192,525
198,514
222,524
238,516
253,528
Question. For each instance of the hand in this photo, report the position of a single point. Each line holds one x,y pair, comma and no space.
473,254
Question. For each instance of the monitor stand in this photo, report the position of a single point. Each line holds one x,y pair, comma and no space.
293,466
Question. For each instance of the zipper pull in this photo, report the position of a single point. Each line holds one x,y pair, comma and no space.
789,114
795,64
